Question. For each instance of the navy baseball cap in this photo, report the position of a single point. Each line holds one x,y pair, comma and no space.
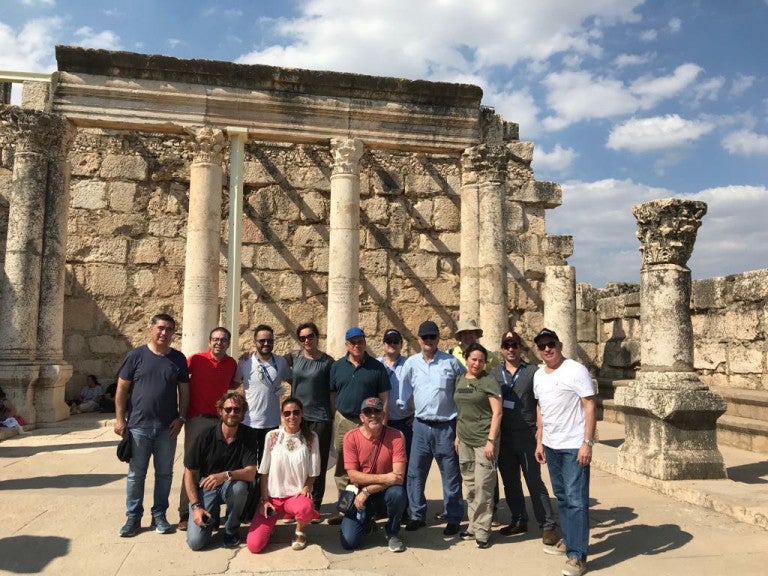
546,332
428,328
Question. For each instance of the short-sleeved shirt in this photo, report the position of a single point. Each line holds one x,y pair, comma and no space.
359,451
288,461
262,383
474,422
87,393
353,384
209,380
210,453
395,372
518,401
562,412
311,383
492,362
432,385
154,386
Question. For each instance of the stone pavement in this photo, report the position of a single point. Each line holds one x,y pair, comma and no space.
62,492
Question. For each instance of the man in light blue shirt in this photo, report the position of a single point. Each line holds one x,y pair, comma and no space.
430,378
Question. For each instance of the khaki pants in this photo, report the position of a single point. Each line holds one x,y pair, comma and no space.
478,475
341,426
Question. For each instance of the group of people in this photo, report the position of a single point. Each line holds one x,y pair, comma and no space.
261,449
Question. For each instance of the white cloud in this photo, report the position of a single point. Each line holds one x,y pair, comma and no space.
709,89
657,133
675,25
515,106
104,40
624,60
38,2
742,83
648,36
173,42
31,49
652,90
746,142
558,160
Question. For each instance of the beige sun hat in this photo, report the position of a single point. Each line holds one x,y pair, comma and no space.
468,326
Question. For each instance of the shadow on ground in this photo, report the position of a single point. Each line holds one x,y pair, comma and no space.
61,481
755,473
24,451
30,554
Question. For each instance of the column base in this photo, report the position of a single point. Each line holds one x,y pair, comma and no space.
50,391
671,434
17,379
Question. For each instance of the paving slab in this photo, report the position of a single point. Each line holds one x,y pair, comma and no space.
63,495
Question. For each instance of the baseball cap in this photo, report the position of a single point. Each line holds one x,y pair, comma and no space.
354,332
546,332
373,402
428,328
392,334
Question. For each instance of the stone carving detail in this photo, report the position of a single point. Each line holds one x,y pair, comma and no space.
346,155
487,162
667,229
37,132
208,145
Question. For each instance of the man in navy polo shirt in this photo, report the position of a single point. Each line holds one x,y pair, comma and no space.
354,378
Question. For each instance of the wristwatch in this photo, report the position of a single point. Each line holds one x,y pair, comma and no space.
183,420
589,443
229,475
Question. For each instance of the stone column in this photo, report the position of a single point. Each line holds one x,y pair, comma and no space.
35,135
201,272
469,286
237,139
669,414
492,276
50,388
344,245
560,306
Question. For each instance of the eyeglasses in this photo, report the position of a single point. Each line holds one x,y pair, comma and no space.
266,341
372,412
230,409
307,337
510,345
552,344
357,342
287,413
429,337
393,342
219,340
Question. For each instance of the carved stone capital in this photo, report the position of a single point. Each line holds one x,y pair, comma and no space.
346,155
208,145
667,229
37,132
485,163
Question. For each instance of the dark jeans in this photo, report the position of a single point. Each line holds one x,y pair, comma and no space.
516,455
253,495
233,493
391,502
324,431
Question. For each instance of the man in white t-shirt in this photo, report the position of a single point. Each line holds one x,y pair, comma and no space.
564,438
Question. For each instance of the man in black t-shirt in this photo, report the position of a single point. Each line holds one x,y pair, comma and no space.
218,469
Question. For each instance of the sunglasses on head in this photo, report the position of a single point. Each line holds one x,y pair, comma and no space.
510,345
372,412
552,344
266,341
230,409
307,337
287,413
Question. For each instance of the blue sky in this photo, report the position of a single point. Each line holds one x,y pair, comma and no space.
626,100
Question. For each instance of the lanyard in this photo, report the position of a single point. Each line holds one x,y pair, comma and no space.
265,371
515,376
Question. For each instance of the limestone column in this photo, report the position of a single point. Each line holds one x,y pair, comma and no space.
35,134
344,245
201,272
560,306
670,415
237,139
50,388
492,276
469,286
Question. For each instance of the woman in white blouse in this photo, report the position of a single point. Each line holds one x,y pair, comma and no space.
288,469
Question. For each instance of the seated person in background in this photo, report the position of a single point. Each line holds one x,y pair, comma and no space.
374,458
9,416
107,402
90,395
218,469
288,470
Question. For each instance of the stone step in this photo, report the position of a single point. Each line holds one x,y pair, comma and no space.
744,433
751,404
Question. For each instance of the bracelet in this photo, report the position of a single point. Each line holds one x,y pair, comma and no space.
196,505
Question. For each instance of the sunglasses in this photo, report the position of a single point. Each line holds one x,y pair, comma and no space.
307,337
372,412
510,345
230,409
552,344
393,342
287,413
428,337
266,341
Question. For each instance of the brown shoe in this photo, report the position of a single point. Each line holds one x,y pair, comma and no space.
549,537
183,525
335,520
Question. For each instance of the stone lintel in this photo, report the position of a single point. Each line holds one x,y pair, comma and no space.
544,194
99,88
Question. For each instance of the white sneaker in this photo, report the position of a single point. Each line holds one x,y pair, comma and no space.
395,544
574,567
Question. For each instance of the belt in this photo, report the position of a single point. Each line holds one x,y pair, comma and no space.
400,419
433,422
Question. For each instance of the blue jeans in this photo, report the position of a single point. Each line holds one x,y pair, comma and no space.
570,483
391,502
434,440
161,446
233,493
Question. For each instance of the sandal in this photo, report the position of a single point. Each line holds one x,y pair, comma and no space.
299,541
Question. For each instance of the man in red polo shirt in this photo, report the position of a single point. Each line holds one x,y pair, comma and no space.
211,374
